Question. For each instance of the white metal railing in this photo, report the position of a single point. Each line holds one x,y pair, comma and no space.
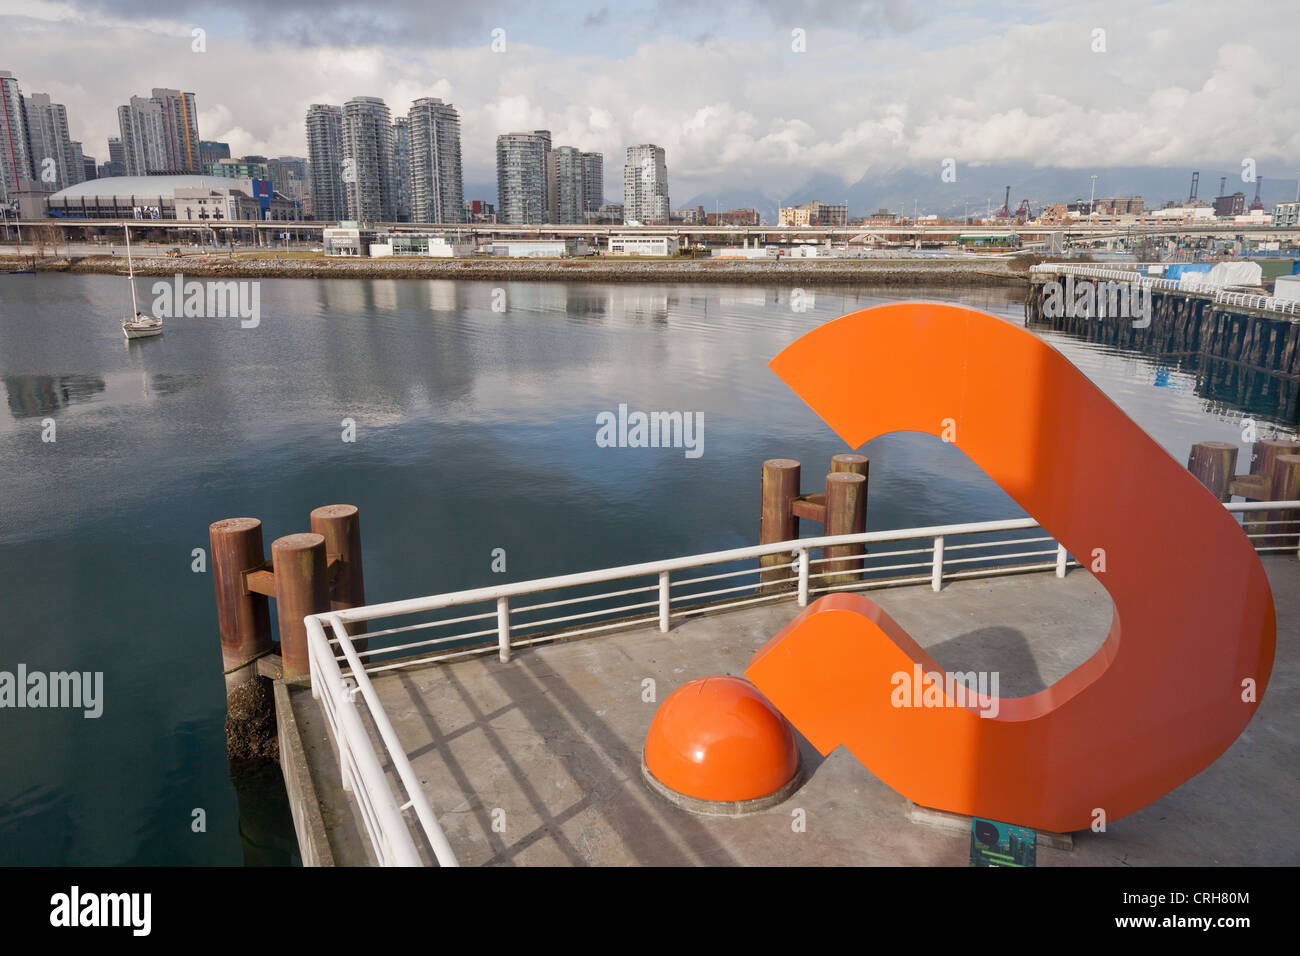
1249,300
1004,547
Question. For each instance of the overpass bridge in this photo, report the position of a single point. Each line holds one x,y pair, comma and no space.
1029,233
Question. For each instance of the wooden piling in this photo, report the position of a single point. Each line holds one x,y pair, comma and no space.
1214,464
301,588
846,513
1287,488
1264,462
778,523
849,462
340,526
243,616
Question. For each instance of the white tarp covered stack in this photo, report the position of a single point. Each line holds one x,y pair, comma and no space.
1287,287
1225,274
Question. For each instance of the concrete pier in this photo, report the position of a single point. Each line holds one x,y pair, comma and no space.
537,761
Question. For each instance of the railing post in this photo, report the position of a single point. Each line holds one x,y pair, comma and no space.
346,767
665,601
936,572
503,629
1061,557
803,577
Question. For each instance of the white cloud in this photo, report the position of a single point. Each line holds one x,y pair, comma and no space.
736,110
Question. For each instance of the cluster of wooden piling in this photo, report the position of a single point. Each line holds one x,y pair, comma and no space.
1274,476
841,509
309,573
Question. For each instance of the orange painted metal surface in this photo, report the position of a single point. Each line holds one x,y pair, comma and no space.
718,738
1194,628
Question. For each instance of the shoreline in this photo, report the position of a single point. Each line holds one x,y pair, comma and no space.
831,272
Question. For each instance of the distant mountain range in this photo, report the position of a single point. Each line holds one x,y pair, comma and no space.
979,188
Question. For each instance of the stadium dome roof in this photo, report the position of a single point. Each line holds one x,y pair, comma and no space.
124,187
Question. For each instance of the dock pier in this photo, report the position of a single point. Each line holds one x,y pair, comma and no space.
378,762
1242,337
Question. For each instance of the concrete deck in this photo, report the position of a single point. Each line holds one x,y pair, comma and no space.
549,746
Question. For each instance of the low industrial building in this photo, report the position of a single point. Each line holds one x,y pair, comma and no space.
988,241
348,239
437,247
742,252
807,251
540,248
642,245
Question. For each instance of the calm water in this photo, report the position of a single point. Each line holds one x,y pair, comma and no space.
475,431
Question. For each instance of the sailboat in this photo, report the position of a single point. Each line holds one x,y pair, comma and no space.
141,326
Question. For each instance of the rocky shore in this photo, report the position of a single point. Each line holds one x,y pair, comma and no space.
884,272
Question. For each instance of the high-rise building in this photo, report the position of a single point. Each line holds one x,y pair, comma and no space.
288,173
160,134
437,191
141,125
325,157
569,190
402,167
78,162
53,162
645,184
89,169
524,172
181,124
15,149
246,167
116,154
369,176
211,151
593,185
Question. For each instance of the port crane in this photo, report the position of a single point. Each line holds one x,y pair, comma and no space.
1022,213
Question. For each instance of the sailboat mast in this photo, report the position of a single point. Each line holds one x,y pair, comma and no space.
130,271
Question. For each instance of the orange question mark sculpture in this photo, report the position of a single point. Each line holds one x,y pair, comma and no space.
1191,645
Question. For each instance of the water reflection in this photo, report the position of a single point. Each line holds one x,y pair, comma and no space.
475,430
34,396
1229,388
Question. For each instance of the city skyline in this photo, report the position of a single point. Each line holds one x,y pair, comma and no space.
882,93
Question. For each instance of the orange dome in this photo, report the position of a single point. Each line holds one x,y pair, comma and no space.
718,739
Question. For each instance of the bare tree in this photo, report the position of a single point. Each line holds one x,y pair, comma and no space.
43,237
